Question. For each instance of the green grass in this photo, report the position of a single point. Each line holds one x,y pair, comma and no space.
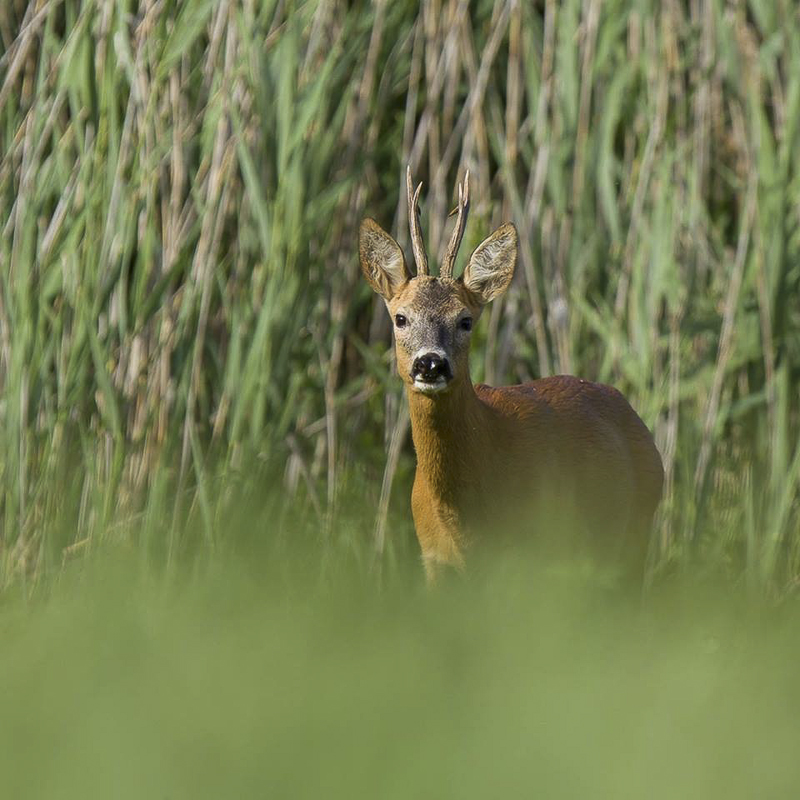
179,196
209,583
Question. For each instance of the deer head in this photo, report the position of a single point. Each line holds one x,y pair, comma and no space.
433,316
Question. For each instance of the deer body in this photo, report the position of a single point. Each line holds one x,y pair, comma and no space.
561,461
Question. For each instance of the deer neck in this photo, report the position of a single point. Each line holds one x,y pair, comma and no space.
449,432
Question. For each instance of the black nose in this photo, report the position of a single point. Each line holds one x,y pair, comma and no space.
430,367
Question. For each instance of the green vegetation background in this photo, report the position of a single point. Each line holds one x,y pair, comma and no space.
194,375
181,305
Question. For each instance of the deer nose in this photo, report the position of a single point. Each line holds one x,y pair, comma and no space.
430,367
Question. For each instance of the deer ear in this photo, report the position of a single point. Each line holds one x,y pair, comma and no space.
491,266
382,260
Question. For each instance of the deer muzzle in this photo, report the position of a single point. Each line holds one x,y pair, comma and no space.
431,372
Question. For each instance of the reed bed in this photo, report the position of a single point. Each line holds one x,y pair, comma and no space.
182,320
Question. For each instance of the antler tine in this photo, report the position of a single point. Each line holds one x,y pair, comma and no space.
449,262
417,245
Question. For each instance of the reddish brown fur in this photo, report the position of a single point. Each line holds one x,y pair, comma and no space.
558,457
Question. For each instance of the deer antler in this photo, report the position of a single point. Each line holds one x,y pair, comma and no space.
417,244
449,262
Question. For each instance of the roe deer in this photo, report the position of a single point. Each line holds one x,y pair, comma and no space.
563,459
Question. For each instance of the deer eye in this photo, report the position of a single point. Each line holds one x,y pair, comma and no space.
400,320
465,324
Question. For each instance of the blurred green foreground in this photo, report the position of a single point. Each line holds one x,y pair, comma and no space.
520,683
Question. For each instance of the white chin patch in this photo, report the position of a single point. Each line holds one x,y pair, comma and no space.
430,388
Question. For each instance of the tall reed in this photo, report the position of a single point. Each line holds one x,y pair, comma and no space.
180,187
